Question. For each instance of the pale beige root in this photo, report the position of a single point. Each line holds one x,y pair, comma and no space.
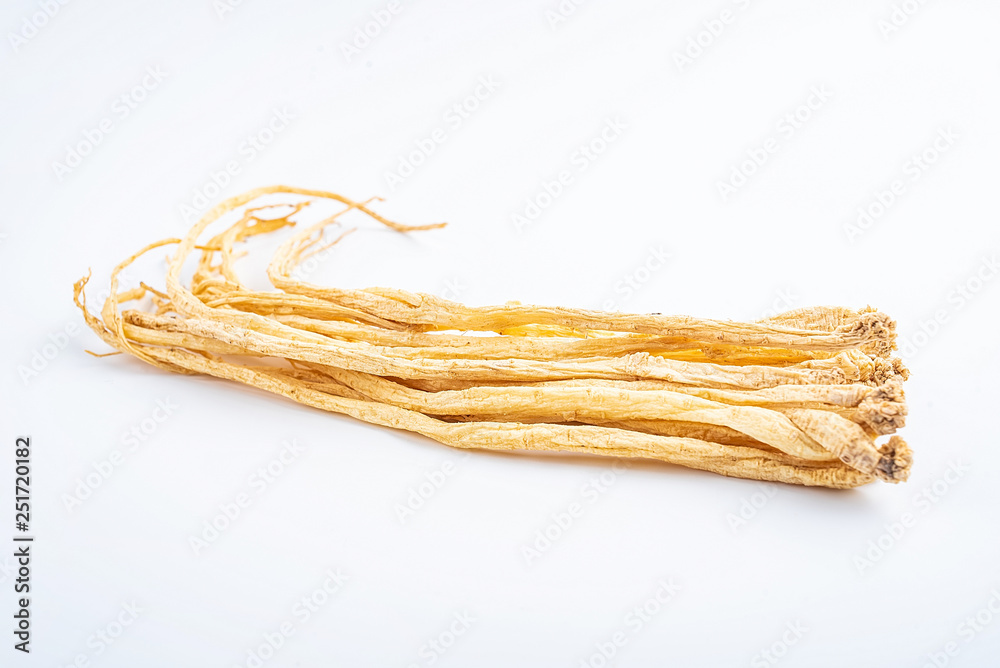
867,328
288,254
280,267
691,351
886,369
274,304
726,460
567,404
212,278
896,461
798,398
819,318
884,409
266,336
136,329
561,403
416,345
555,345
850,443
430,311
442,345
846,396
878,328
702,432
260,335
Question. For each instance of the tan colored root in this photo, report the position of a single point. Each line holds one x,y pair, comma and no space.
727,460
798,398
567,404
866,327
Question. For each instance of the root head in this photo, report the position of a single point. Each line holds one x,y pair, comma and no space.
897,458
884,410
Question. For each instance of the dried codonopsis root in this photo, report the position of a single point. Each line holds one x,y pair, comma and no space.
801,397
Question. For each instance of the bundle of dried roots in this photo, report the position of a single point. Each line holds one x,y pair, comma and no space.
803,397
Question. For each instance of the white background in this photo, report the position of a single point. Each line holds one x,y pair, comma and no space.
780,241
